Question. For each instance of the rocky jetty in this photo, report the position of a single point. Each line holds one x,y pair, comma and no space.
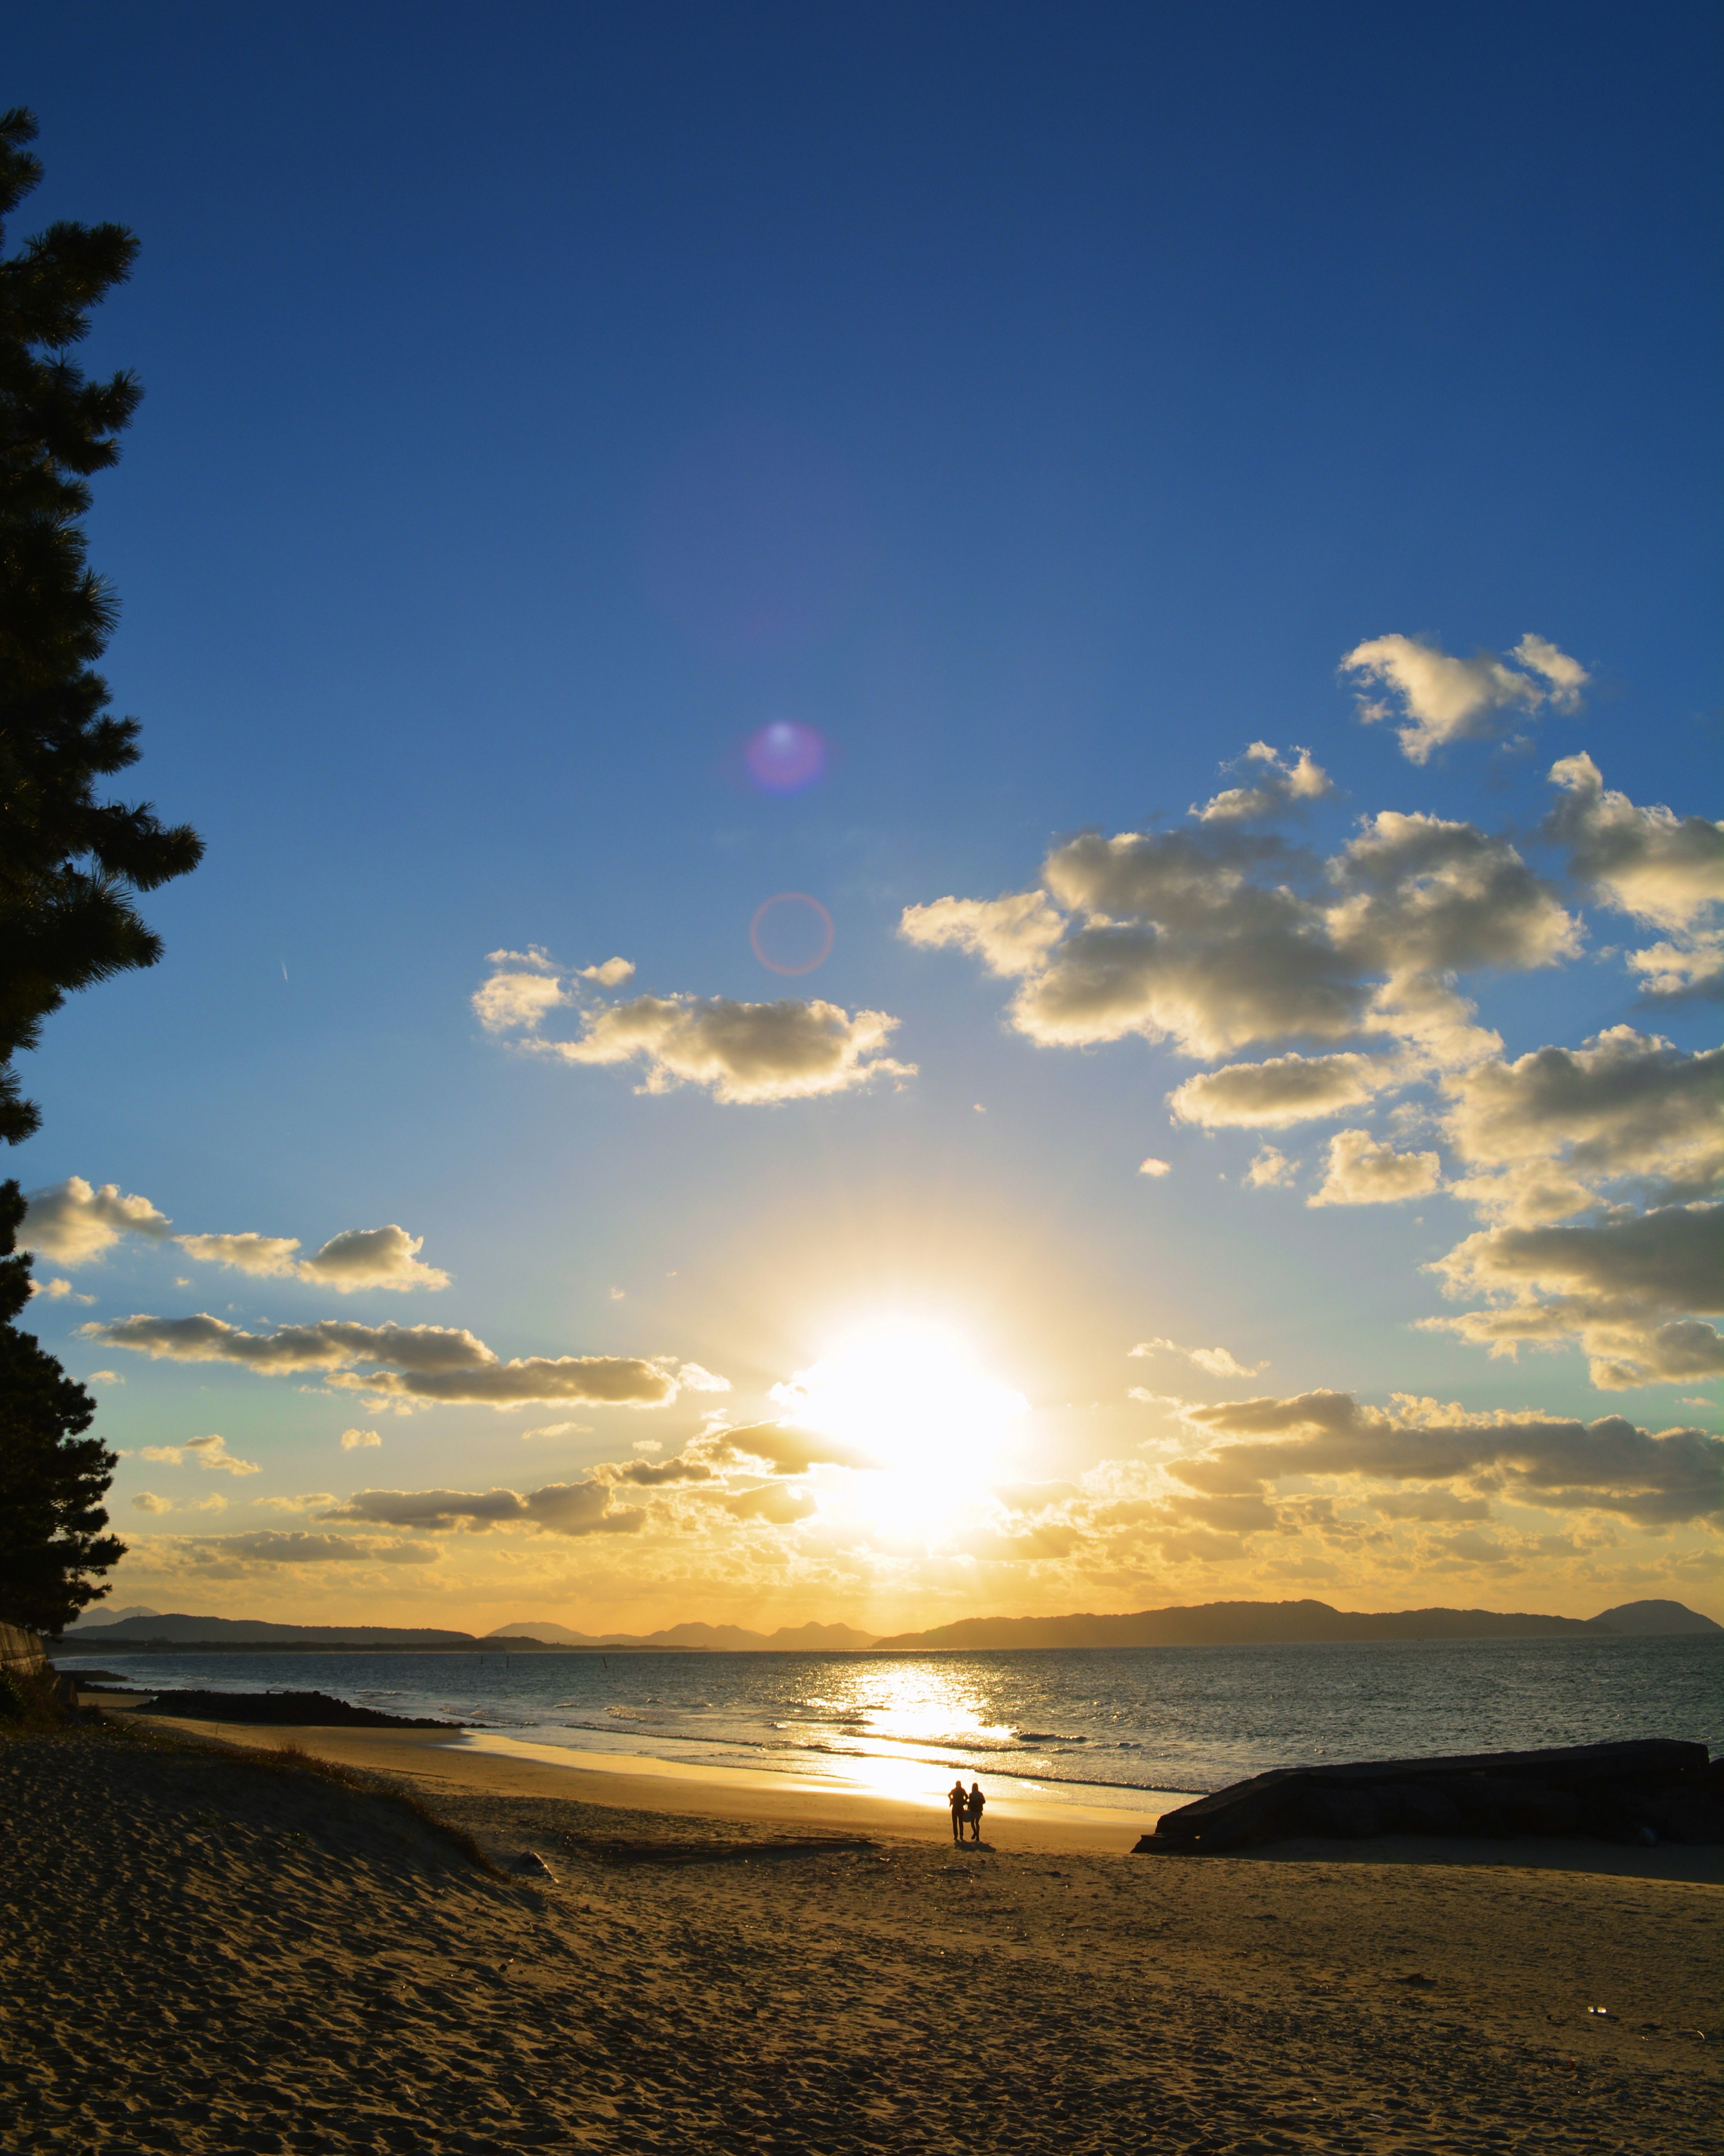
296,1710
1656,1790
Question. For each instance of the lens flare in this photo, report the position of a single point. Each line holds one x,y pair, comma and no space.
792,933
785,756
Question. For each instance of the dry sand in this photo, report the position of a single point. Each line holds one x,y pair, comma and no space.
206,1955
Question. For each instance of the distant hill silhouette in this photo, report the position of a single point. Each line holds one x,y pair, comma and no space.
1271,1624
179,1630
1647,1617
726,1638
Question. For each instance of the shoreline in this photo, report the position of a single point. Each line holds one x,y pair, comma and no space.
485,1765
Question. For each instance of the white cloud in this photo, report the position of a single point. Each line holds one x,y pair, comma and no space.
1445,699
356,1440
1155,1168
430,1362
693,1378
210,1452
1361,1172
72,1223
1219,1362
1011,936
1650,863
565,1429
312,1500
1691,969
357,1258
371,1257
522,991
147,1501
741,1053
1282,1090
611,974
267,1257
1270,1169
104,1378
59,1290
1273,785
1659,868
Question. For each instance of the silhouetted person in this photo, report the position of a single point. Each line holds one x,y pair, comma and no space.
972,1810
957,1800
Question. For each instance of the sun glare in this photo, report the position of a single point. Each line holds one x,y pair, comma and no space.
909,1402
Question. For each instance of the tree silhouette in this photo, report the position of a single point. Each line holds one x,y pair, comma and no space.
52,1478
68,864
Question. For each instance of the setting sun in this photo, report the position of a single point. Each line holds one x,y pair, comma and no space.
912,1400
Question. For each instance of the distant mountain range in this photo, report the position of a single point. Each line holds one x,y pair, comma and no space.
1209,1624
1273,1624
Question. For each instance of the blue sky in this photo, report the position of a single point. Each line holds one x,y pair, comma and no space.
1040,409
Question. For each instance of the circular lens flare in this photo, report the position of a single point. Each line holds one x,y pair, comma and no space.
791,933
785,756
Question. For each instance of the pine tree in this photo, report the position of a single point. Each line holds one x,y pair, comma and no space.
68,864
52,1478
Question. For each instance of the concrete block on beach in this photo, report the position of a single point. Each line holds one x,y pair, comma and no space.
1653,1789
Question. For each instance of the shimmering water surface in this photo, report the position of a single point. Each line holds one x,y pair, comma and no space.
1092,1726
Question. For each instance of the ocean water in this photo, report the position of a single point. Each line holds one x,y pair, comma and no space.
1094,1725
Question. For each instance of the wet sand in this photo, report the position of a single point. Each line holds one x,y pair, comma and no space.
207,1955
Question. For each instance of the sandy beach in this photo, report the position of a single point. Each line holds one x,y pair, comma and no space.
209,1952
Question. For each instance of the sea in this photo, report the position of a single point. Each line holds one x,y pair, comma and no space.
1120,1727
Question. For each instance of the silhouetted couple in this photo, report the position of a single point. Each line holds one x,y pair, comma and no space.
966,1806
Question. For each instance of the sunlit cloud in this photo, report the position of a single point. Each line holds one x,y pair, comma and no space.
1282,1090
73,1223
210,1452
1554,1462
559,1508
356,1440
1659,868
418,1363
1624,1289
1270,1169
740,1053
1219,1362
1443,699
1361,1172
58,1291
1272,784
239,1556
